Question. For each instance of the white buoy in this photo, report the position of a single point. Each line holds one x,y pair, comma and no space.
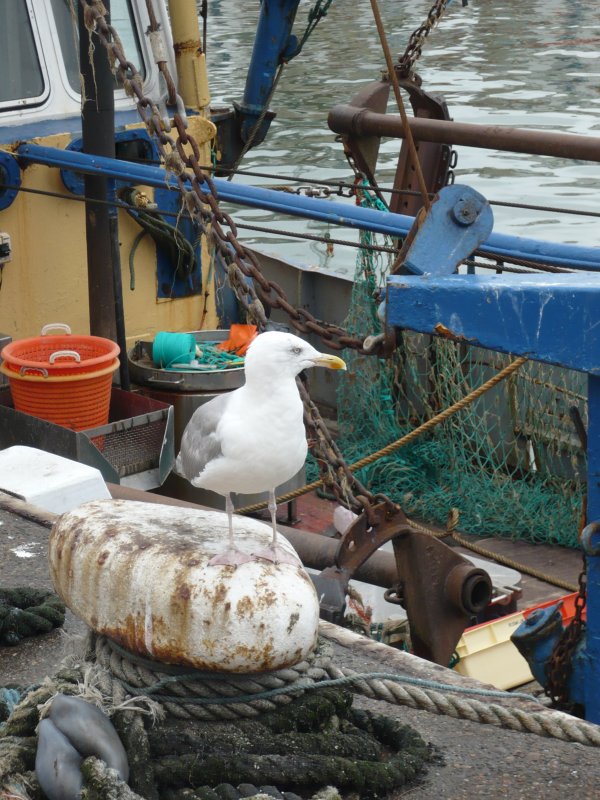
139,573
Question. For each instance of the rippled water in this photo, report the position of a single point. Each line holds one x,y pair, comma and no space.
531,65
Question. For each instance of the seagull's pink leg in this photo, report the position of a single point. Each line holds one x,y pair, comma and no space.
233,556
274,552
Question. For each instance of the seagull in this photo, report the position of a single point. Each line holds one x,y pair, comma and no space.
253,439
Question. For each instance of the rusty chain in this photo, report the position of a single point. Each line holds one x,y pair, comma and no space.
254,296
559,666
241,263
335,472
407,61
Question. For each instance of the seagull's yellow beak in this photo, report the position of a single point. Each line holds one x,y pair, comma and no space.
331,362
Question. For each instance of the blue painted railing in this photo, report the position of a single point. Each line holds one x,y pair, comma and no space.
332,212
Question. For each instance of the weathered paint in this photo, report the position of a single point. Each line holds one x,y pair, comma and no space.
191,61
547,318
550,319
139,574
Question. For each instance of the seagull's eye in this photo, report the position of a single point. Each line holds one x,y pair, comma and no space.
296,350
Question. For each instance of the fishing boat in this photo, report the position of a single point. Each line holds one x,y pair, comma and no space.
123,165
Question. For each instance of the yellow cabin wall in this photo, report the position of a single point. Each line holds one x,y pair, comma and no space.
46,280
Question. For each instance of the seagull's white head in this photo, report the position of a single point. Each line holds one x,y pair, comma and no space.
285,355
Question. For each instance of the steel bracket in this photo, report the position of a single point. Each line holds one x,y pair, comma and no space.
440,589
434,157
459,220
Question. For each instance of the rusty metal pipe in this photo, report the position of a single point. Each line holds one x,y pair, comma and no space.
468,588
350,120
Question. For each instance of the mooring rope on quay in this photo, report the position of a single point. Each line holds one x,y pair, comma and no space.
203,696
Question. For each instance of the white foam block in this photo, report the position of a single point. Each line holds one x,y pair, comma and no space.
49,481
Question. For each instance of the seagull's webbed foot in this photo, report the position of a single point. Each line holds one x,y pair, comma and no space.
277,555
231,557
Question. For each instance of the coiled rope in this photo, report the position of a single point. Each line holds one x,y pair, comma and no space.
193,694
27,612
208,696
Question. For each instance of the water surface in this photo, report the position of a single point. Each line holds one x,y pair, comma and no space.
532,65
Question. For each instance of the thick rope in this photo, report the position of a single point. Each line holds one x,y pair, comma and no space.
202,695
548,723
542,723
205,696
27,612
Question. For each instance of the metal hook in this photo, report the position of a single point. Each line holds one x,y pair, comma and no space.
586,539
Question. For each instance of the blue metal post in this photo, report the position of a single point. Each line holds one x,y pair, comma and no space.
551,319
592,673
272,44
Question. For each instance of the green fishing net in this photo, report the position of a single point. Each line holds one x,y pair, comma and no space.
511,463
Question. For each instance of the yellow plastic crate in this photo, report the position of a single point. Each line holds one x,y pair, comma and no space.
487,653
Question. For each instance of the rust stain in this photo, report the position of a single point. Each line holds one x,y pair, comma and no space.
220,593
184,592
244,606
190,46
131,635
293,620
265,599
446,333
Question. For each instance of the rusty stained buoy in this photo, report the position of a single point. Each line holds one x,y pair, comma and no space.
139,573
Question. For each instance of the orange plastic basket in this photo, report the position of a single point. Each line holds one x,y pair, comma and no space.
73,401
62,379
54,355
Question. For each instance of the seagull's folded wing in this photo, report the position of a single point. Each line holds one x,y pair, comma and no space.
200,442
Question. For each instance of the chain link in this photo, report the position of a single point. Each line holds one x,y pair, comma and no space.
560,664
417,40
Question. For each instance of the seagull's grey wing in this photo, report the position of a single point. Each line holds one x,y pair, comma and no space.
200,442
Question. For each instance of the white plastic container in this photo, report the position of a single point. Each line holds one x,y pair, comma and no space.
49,481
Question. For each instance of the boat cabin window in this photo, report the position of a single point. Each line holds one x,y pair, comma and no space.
21,81
122,20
